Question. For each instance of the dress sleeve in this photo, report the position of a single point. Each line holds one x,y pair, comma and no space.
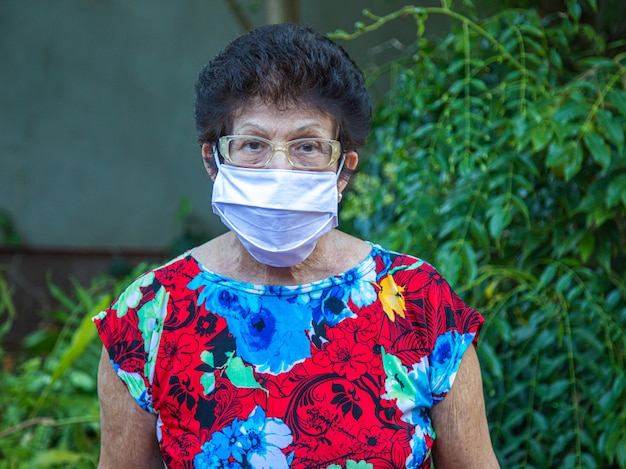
130,330
451,328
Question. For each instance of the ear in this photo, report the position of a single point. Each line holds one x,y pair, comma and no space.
208,157
351,159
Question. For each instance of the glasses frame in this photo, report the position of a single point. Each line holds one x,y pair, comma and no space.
224,143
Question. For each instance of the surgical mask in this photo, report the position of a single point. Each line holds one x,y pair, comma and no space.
277,214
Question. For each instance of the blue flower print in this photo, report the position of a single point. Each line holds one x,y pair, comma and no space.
443,350
330,306
218,298
256,443
445,360
272,338
267,438
208,459
260,329
419,450
230,441
269,333
359,283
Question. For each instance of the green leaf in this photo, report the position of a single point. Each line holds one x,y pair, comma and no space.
558,391
457,87
478,84
618,99
538,452
563,283
469,263
621,453
521,207
611,127
574,9
574,161
208,382
616,192
555,58
81,338
56,457
600,152
207,357
499,221
398,382
540,137
568,112
556,158
603,253
478,231
448,261
587,243
547,275
240,375
490,359
585,336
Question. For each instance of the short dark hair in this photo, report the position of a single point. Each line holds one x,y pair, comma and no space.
283,64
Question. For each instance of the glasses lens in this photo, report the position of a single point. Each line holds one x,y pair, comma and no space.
249,151
311,153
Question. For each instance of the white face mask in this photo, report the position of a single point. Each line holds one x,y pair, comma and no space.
277,214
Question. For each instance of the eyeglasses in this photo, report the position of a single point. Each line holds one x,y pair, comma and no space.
257,152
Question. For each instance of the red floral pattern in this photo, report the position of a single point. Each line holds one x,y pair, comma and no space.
336,387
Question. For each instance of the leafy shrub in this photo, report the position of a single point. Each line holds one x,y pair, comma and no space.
499,156
49,412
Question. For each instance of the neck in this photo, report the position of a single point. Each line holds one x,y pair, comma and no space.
315,266
335,253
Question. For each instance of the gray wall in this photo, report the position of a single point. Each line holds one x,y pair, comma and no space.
97,143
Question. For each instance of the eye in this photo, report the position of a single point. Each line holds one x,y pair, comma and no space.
308,147
253,145
248,146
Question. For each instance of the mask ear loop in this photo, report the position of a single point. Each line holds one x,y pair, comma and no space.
216,157
343,160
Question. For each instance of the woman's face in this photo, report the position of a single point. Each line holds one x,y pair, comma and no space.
279,125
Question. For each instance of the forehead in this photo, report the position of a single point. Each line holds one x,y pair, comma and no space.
273,120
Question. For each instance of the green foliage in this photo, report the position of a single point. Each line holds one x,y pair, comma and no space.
49,413
499,156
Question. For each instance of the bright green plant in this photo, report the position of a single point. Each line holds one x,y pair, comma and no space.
499,156
49,414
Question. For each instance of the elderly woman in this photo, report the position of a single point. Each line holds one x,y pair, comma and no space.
286,343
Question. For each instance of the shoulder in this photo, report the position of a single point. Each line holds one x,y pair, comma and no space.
153,285
405,267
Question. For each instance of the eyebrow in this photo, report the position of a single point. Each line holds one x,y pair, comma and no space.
302,128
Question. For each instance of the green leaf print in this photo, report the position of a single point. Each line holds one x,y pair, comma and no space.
132,295
151,316
398,383
241,375
351,464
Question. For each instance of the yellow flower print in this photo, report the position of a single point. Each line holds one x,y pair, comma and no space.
391,297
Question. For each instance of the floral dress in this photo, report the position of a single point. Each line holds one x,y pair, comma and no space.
337,373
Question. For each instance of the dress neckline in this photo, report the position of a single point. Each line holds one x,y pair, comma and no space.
357,272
